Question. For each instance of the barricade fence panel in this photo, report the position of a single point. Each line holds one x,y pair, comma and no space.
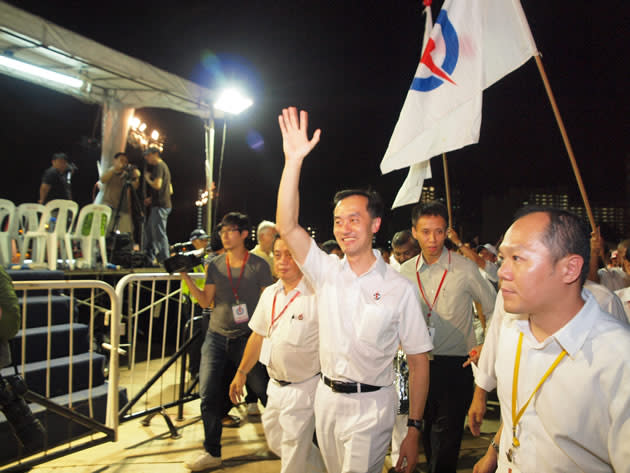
61,352
156,320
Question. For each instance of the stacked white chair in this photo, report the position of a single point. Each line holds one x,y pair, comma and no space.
28,216
61,214
91,234
7,224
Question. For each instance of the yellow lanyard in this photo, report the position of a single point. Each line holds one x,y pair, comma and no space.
517,417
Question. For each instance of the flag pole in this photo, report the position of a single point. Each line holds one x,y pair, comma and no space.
565,138
448,192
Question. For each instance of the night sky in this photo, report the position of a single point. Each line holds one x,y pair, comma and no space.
349,64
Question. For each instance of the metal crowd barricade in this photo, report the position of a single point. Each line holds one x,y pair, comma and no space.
154,316
110,427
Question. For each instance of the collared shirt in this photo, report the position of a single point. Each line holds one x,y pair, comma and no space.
364,318
452,314
579,420
294,336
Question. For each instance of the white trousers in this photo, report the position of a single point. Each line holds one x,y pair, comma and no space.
289,422
354,430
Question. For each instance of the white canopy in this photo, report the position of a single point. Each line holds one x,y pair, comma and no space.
108,75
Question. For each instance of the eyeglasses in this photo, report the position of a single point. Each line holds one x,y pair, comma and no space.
225,231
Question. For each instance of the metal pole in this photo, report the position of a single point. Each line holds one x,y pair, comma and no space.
209,129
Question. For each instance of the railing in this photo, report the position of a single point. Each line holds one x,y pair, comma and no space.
109,428
141,306
154,302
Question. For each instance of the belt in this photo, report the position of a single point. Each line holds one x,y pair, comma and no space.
348,388
282,383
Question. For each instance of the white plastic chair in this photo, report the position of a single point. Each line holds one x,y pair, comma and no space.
7,224
91,232
27,218
63,213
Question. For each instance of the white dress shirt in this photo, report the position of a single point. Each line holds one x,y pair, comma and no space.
452,314
579,420
294,337
364,318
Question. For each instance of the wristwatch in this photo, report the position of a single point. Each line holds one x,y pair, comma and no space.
418,424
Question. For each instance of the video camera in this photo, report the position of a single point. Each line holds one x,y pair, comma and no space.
27,428
184,257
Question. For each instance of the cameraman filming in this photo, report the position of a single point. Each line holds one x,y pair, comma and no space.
120,181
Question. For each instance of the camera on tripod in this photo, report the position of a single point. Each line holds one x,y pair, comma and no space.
27,428
129,170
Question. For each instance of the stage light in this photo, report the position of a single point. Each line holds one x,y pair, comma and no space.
40,72
232,101
155,135
134,122
142,127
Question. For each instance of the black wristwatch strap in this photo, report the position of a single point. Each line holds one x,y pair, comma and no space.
418,424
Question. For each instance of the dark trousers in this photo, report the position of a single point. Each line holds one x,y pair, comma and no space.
450,394
217,351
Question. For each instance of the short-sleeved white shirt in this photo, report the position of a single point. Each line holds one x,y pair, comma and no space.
579,420
294,336
364,318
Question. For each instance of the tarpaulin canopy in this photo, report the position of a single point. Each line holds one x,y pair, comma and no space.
108,75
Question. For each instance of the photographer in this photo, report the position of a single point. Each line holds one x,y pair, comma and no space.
120,181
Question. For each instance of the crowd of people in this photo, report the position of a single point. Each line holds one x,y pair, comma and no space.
534,317
312,331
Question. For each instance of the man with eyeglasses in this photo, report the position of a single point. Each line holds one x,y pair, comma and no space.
234,281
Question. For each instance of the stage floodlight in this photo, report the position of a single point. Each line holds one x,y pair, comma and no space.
142,127
134,122
155,135
40,72
232,101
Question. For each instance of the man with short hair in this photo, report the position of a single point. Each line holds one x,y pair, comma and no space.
448,284
234,281
157,177
563,353
265,233
115,179
55,183
286,339
366,310
404,247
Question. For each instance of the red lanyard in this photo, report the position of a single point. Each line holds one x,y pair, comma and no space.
240,276
431,306
274,319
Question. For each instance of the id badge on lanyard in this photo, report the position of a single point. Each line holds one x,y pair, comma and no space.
239,311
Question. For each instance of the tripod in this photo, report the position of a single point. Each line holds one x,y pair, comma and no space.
134,209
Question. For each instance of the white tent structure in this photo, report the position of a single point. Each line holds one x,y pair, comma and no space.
93,73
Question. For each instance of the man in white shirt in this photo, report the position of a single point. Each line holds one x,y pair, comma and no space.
366,309
448,284
285,338
567,359
265,233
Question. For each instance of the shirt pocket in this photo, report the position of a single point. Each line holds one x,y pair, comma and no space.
375,325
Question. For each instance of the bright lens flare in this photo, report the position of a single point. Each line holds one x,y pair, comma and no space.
232,101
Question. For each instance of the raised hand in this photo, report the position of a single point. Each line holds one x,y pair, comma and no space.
295,142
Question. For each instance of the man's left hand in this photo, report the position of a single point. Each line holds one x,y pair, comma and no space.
409,451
